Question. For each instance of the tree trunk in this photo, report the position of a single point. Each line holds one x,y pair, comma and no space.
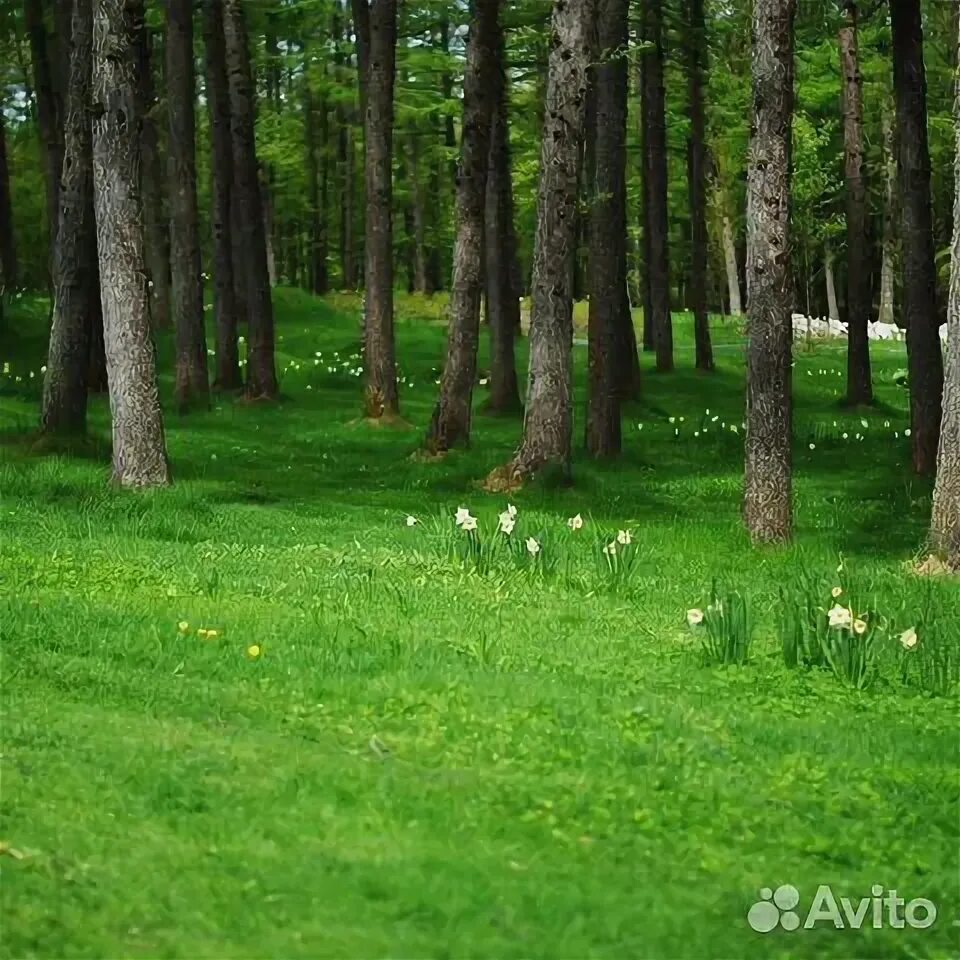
503,303
859,384
261,371
49,111
421,279
227,376
768,508
548,423
381,398
155,224
888,263
317,246
191,384
608,229
924,359
698,187
8,247
348,262
655,187
451,422
139,451
945,523
269,224
830,286
64,409
733,273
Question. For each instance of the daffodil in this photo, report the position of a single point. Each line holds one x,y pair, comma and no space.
835,592
463,515
575,523
909,639
254,651
840,617
507,522
511,509
533,547
183,626
694,617
202,633
412,521
859,627
624,538
469,524
611,548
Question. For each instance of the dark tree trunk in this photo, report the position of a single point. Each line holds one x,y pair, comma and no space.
361,31
64,409
889,255
348,260
446,91
155,223
859,383
916,234
227,375
656,226
8,247
261,371
264,179
608,234
503,304
139,450
945,523
49,110
381,398
316,195
698,186
97,381
768,504
452,416
548,423
191,384
588,163
421,278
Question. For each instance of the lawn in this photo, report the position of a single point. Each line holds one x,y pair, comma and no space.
425,758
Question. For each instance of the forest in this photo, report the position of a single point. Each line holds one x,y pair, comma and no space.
479,477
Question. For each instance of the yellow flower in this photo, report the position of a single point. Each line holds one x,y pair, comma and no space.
859,627
254,651
213,634
202,634
183,626
835,592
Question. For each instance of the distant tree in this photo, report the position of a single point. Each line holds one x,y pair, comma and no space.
191,383
315,143
768,507
139,450
64,406
889,252
8,247
548,421
924,359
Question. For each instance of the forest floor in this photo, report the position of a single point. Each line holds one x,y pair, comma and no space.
422,758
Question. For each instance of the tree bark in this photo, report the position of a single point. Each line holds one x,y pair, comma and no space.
768,508
945,522
730,263
261,371
64,407
139,450
889,256
655,187
49,111
192,387
227,366
8,247
608,229
317,245
830,286
421,277
548,422
503,303
698,187
155,223
452,416
381,397
924,359
859,383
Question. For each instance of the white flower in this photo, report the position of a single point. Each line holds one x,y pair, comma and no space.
575,523
671,419
412,521
813,446
840,616
533,548
611,548
469,525
507,523
906,432
864,424
511,509
624,538
859,627
694,617
835,592
483,382
463,515
909,639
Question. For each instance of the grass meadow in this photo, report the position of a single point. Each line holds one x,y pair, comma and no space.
260,715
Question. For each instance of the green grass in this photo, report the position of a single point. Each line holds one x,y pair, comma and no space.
530,760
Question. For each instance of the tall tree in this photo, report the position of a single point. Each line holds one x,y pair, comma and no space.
768,504
451,421
608,228
889,252
155,223
730,265
315,143
697,147
139,449
191,383
381,397
252,265
548,421
226,308
945,523
924,360
503,297
656,224
859,384
8,247
64,407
